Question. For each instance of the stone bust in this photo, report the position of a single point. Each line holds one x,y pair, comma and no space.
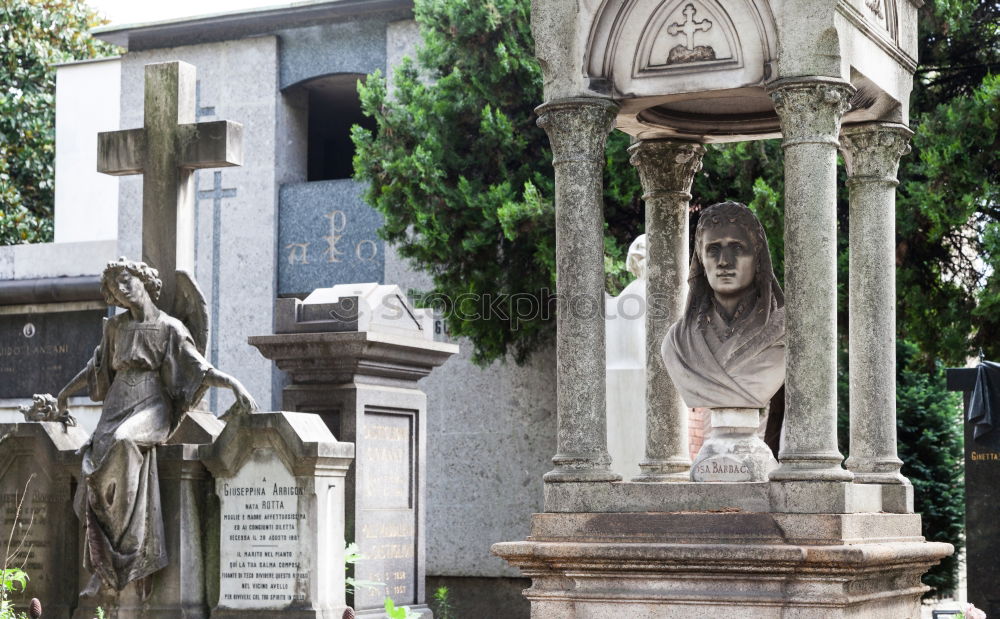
728,349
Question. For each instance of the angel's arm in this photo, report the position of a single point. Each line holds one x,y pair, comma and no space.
79,382
244,401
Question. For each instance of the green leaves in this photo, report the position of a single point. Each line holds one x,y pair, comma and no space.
34,36
13,579
398,612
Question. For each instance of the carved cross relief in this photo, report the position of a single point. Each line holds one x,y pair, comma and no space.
690,26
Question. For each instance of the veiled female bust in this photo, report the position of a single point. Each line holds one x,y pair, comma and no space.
728,350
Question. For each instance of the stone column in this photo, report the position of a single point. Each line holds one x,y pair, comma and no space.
666,168
872,152
578,129
810,111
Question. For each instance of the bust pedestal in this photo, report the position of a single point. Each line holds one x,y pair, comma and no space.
733,451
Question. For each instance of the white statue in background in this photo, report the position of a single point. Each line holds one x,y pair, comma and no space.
625,330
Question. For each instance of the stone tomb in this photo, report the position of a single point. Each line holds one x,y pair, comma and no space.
354,353
279,480
46,528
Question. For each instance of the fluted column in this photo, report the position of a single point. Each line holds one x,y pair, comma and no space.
809,110
872,152
666,169
577,130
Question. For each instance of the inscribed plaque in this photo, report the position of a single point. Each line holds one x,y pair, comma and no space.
327,235
386,531
263,517
40,353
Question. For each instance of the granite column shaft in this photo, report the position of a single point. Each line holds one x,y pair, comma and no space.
810,110
872,152
578,130
666,169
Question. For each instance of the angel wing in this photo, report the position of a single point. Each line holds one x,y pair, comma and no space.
191,309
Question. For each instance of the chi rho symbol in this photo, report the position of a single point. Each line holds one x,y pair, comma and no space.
364,250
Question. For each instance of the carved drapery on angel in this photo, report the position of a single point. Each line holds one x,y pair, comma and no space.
148,370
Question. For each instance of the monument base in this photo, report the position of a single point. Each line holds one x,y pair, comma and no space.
751,565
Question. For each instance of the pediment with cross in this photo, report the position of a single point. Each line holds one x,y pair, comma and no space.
662,46
685,34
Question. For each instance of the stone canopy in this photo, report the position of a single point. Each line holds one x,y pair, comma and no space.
697,68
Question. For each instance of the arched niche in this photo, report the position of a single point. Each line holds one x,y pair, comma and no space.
327,107
686,67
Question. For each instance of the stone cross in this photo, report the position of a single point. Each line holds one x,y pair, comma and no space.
690,26
166,151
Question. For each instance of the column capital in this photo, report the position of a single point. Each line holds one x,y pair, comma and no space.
666,166
872,151
577,128
810,109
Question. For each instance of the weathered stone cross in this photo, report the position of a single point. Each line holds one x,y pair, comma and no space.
690,26
166,151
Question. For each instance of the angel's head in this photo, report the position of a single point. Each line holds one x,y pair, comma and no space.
124,281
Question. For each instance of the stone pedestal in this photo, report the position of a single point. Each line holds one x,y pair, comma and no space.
357,368
179,589
38,463
279,482
742,564
733,451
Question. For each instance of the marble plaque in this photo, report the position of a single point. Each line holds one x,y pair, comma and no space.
327,235
40,353
386,531
263,517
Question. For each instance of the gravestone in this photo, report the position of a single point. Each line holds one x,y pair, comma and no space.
41,352
327,235
354,354
982,527
38,464
279,480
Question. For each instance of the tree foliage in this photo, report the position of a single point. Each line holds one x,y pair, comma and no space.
463,175
34,36
929,434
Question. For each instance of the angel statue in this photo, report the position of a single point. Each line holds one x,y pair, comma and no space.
148,370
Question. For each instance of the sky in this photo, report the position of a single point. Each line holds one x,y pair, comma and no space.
137,11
